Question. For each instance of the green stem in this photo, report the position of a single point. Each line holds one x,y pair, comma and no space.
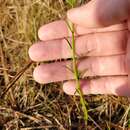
76,74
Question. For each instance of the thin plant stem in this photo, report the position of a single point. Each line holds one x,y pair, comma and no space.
77,77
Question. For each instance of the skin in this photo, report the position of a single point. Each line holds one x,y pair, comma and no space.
102,34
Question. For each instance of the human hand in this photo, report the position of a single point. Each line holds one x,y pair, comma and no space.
107,55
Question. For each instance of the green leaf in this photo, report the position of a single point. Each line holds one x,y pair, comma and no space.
71,2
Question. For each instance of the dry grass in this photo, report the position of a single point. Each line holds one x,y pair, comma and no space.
31,106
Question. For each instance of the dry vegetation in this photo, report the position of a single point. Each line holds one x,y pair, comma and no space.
29,105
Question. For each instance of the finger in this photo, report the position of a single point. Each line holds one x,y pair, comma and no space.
128,58
98,13
117,27
93,66
99,44
59,29
117,85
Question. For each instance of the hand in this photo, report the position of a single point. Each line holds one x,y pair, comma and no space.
102,35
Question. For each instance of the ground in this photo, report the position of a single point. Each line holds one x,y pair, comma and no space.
28,105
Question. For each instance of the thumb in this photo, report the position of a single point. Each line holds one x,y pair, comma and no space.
98,13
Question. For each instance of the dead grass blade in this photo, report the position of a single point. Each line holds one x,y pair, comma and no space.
16,78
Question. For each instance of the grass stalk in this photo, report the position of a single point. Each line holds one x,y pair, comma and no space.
83,103
77,77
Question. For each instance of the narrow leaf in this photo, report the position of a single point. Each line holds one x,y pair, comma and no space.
71,2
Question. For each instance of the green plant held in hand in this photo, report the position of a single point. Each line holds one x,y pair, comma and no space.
71,2
83,103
